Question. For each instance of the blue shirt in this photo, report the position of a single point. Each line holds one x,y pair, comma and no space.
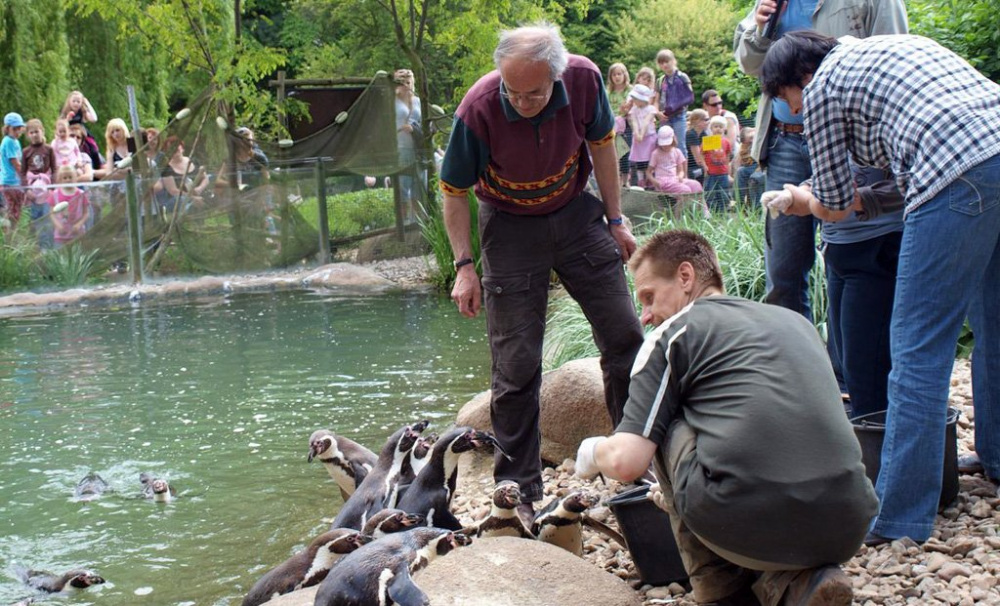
9,149
797,15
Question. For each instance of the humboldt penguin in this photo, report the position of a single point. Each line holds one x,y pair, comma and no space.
90,487
422,451
345,460
389,521
156,489
43,580
502,520
307,567
431,492
560,522
381,573
378,490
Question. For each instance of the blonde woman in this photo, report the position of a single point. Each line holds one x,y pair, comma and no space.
116,150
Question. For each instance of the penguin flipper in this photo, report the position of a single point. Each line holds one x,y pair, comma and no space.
444,519
404,592
603,528
360,473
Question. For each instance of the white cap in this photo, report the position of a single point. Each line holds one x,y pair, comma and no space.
665,136
641,92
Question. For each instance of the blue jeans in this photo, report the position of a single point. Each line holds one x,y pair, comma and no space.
949,267
791,241
679,124
749,186
717,192
861,283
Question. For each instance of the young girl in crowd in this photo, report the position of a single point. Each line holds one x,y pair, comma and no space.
116,138
668,171
10,170
717,163
697,126
749,178
646,77
618,86
67,150
88,147
39,159
77,109
70,223
642,119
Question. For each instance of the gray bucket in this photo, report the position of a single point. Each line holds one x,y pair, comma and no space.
870,431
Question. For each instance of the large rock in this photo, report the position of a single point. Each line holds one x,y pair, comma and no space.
508,572
572,408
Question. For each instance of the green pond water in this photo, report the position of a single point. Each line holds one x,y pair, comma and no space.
219,397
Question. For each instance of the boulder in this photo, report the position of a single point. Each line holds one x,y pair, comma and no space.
572,408
507,571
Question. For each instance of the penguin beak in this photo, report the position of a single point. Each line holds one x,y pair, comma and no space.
413,519
483,438
360,539
419,426
313,451
459,539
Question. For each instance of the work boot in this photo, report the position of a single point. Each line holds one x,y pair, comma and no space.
826,586
743,596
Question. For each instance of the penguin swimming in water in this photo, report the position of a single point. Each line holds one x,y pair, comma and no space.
378,490
381,573
389,521
502,520
90,487
307,567
345,460
156,489
431,492
43,580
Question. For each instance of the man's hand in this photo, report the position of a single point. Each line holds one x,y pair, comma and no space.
586,462
626,241
765,8
656,496
467,292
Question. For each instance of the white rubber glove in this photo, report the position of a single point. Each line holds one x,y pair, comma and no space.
656,496
586,463
776,201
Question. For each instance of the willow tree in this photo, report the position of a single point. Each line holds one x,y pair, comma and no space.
35,55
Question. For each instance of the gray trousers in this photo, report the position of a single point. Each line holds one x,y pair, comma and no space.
519,254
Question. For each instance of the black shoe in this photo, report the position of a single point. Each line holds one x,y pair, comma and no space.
874,540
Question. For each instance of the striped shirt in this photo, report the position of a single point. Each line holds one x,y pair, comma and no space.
900,102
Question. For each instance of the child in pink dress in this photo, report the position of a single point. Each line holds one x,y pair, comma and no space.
67,149
71,222
668,171
642,118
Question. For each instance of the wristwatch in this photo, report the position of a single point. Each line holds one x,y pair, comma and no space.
460,263
617,221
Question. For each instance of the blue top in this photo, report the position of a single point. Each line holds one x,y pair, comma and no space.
851,229
798,15
9,149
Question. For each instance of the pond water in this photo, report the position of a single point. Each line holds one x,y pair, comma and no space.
219,397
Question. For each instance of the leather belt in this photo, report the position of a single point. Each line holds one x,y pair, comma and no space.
794,129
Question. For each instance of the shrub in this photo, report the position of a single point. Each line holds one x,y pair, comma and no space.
16,252
436,235
67,266
354,213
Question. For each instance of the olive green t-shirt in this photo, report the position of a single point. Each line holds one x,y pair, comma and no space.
777,472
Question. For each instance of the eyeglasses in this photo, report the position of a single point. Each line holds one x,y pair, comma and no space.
716,104
521,98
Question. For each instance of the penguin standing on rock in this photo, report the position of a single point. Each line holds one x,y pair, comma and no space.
381,573
345,460
43,580
156,489
389,521
307,567
431,492
380,485
560,522
502,520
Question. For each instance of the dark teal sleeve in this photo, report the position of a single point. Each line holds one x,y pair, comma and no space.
465,159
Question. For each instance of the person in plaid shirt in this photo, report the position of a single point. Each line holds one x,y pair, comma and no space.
908,104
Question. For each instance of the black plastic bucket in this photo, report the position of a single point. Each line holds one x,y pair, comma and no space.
870,431
646,529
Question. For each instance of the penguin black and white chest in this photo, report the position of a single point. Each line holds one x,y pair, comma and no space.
502,520
381,573
73,580
373,494
560,522
432,490
389,521
345,460
422,452
90,487
156,489
307,567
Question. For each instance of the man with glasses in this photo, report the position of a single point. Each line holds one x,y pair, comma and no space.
526,137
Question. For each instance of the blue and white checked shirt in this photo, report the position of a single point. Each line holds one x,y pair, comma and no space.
903,102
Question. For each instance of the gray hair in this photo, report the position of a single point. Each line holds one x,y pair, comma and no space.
538,42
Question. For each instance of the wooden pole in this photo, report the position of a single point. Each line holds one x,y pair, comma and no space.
324,221
134,228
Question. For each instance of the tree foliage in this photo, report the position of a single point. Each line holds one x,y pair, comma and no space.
971,29
34,50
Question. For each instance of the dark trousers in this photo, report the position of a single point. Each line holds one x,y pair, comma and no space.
861,286
518,255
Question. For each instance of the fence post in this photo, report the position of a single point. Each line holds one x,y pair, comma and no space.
324,225
134,228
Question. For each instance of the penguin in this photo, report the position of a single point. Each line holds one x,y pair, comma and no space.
307,567
421,452
389,521
346,461
377,491
560,522
90,487
381,573
156,489
42,580
502,520
431,492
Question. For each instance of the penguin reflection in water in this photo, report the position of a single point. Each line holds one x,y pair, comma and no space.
381,573
156,489
307,567
42,580
347,462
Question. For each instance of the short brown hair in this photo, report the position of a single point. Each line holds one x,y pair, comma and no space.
666,250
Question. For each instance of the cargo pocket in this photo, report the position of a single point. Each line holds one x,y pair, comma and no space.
604,268
508,303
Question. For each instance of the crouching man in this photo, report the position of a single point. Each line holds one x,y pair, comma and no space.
736,405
